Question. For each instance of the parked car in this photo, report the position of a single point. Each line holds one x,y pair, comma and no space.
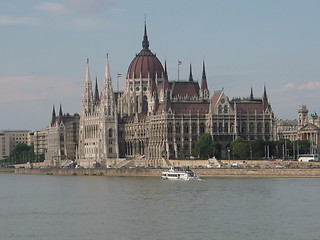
210,165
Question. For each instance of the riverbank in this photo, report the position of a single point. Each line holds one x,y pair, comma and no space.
7,170
204,173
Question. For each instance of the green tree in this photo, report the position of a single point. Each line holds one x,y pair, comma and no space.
240,148
304,146
204,147
217,150
258,148
22,153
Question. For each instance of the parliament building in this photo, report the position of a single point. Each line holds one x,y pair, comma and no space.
156,119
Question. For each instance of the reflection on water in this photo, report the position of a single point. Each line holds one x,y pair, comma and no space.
87,207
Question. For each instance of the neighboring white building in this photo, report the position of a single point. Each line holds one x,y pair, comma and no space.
304,128
62,138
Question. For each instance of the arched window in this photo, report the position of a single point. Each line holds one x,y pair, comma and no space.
266,128
178,128
137,103
185,147
220,127
225,109
214,127
244,127
202,128
226,127
251,127
219,109
170,128
185,128
259,127
194,128
145,104
110,132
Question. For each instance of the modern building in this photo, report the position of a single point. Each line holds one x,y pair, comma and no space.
9,139
154,120
39,140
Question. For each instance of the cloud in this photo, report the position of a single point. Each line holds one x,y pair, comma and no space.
310,86
290,85
52,7
8,20
86,23
295,87
26,88
89,7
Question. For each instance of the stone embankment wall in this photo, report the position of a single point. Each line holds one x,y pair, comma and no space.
7,170
157,172
92,171
259,172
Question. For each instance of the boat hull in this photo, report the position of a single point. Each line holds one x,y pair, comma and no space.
179,174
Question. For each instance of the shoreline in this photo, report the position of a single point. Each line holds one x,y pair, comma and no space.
203,173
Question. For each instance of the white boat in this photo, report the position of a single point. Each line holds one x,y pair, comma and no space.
179,173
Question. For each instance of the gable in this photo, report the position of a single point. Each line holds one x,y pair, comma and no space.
309,127
220,104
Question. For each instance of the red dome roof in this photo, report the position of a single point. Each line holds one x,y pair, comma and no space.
145,62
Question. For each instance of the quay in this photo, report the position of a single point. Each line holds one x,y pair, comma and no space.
203,173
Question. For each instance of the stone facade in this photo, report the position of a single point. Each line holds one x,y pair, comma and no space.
98,128
304,128
39,139
62,138
154,119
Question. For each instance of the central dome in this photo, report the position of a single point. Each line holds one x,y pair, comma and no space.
145,64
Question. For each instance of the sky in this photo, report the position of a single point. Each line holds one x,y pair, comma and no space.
244,43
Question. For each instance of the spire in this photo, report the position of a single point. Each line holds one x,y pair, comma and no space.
153,86
107,72
53,112
265,98
88,72
165,69
60,111
96,93
190,74
108,91
53,119
145,42
60,115
164,86
107,95
204,84
251,94
87,98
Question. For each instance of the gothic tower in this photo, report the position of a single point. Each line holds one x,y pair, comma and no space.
108,121
204,91
302,116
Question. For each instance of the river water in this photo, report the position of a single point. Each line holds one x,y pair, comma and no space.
115,208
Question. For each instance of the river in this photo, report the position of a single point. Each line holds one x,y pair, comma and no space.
115,208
